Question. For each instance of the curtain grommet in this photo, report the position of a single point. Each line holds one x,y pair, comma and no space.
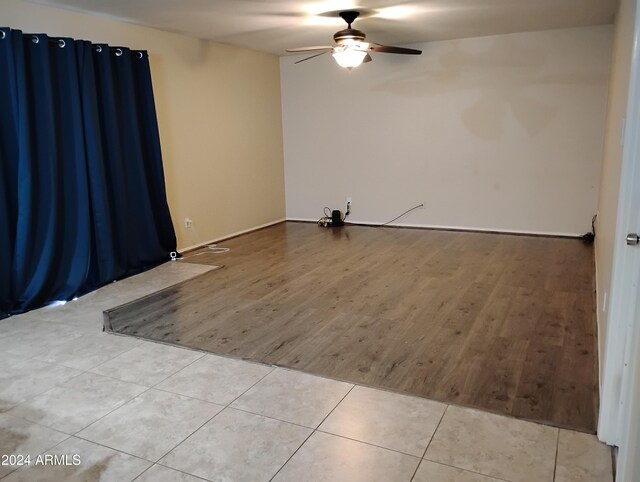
61,43
35,39
119,52
4,34
98,48
140,55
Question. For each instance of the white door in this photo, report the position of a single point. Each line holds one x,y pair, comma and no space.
619,422
629,456
629,415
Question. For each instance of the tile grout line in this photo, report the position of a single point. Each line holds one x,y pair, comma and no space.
448,465
312,432
84,440
429,443
137,383
291,456
125,403
158,464
83,372
57,385
110,448
202,355
211,418
88,370
164,390
138,346
273,369
39,424
147,388
75,434
555,461
269,417
499,479
143,472
368,443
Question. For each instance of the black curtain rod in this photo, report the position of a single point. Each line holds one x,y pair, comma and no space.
61,43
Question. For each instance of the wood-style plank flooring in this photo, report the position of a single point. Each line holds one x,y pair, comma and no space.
498,322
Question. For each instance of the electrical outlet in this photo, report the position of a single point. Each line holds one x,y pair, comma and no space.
188,222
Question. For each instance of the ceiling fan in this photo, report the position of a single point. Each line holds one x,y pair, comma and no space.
350,49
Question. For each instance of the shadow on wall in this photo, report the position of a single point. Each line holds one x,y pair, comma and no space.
502,72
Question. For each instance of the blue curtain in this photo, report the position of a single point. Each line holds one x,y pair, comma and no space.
82,193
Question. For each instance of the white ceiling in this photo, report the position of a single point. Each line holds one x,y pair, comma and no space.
273,26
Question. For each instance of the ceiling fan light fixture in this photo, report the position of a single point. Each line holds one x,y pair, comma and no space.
348,56
351,49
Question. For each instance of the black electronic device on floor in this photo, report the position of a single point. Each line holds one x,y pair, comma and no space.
336,218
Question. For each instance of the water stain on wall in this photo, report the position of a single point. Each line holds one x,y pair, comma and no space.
508,78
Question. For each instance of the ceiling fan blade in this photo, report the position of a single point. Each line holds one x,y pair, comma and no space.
394,50
367,58
312,57
310,49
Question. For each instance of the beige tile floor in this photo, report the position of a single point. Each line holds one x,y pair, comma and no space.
136,410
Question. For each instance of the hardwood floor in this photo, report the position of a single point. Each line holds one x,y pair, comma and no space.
499,322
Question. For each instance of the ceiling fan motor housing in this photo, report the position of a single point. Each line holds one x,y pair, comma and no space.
349,34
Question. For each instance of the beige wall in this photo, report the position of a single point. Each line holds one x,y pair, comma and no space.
612,160
219,116
500,133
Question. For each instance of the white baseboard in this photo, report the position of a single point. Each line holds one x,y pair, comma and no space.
457,228
229,236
